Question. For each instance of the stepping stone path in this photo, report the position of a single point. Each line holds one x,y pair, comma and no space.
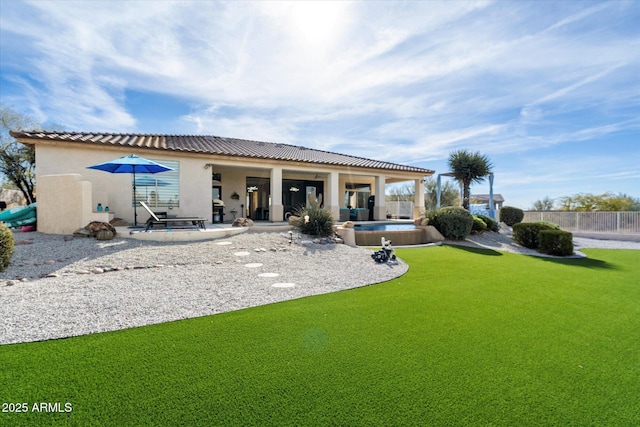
258,264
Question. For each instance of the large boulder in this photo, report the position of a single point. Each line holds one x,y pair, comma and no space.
421,222
432,234
92,229
242,222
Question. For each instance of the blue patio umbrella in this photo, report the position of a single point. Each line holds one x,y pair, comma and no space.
131,164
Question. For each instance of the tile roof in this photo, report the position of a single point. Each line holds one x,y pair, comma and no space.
206,144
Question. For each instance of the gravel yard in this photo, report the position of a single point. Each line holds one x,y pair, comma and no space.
59,286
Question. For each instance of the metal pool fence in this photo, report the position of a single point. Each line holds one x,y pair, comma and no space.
597,222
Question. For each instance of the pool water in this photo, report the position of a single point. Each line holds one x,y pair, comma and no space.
385,227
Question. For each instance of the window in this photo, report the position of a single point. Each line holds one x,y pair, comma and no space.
161,189
357,195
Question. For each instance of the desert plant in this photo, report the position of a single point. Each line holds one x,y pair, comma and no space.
510,215
478,225
6,246
492,224
468,167
526,233
313,219
432,217
555,242
454,222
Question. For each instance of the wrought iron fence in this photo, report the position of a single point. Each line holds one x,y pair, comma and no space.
597,222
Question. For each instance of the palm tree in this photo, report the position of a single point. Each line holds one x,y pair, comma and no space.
468,168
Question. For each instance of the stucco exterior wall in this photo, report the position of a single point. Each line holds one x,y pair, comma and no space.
115,190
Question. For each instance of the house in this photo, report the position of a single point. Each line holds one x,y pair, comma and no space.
213,177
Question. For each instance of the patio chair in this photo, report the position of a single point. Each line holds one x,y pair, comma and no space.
154,220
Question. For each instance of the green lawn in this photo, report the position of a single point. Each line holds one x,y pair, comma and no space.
466,337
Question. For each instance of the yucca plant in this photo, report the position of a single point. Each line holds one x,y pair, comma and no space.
313,219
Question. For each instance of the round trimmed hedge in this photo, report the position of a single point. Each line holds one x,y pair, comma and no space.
510,215
454,222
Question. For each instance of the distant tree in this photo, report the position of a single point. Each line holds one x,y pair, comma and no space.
468,168
450,196
545,204
17,161
607,202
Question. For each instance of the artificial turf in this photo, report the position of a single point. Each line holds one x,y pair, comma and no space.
466,337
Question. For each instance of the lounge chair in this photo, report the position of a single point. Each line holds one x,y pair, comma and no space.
153,219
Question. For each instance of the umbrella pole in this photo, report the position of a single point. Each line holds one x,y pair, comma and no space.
135,205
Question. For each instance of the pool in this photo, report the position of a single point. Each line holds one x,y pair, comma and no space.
399,234
385,227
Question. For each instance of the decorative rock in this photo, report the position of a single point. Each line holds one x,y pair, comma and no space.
82,232
10,282
23,242
96,226
118,222
83,272
242,222
432,234
97,270
53,275
50,262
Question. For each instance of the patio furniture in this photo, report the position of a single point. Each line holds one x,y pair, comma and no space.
153,219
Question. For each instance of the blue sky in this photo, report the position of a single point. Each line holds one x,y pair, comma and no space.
548,90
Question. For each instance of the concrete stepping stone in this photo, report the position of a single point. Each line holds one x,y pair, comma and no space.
254,265
268,275
283,285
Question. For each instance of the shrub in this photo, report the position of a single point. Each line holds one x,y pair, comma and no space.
6,246
454,222
492,224
478,225
555,242
510,215
526,233
432,217
320,221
